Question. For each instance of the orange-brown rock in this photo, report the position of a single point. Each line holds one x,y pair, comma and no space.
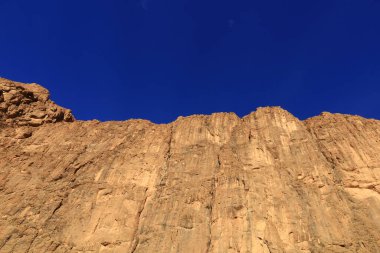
28,105
266,182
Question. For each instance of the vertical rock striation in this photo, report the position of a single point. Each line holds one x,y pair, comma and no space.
266,182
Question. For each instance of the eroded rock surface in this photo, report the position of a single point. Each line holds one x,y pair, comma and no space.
29,105
266,182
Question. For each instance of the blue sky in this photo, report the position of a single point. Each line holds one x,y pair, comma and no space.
159,59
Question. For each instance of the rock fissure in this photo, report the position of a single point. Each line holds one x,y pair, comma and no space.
31,243
135,236
211,204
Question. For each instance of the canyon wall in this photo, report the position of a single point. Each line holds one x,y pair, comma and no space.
264,183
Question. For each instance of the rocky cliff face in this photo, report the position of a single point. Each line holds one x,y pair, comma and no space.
266,182
28,105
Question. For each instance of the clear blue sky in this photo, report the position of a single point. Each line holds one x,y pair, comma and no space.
158,59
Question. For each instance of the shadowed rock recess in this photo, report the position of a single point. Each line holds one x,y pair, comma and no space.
266,182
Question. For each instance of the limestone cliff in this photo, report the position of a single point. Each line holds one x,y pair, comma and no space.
266,182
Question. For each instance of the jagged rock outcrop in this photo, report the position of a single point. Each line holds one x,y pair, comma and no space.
28,105
266,182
